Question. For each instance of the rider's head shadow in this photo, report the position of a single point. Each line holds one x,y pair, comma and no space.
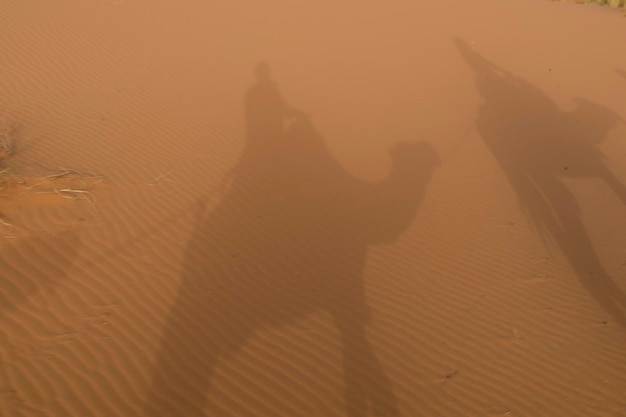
266,112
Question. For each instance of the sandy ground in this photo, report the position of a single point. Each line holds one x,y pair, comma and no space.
283,208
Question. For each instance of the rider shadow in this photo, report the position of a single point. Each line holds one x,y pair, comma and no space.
537,146
289,238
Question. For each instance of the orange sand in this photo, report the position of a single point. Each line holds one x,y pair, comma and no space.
313,209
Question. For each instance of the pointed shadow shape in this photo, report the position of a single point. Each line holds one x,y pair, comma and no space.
536,145
289,238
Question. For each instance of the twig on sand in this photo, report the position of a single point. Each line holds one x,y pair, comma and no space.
64,173
162,178
75,194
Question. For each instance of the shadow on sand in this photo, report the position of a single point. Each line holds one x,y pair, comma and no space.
537,145
32,266
621,72
289,238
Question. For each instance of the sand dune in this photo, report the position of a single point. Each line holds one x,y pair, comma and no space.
321,209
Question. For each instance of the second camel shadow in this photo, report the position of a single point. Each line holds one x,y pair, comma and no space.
537,146
289,238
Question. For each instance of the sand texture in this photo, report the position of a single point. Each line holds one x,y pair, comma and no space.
312,209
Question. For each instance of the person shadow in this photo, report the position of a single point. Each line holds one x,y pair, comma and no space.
289,238
538,146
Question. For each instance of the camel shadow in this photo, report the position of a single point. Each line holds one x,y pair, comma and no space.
537,146
289,238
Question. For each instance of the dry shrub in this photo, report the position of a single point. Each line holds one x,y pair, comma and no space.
610,3
616,3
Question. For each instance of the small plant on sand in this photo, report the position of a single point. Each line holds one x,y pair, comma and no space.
610,3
